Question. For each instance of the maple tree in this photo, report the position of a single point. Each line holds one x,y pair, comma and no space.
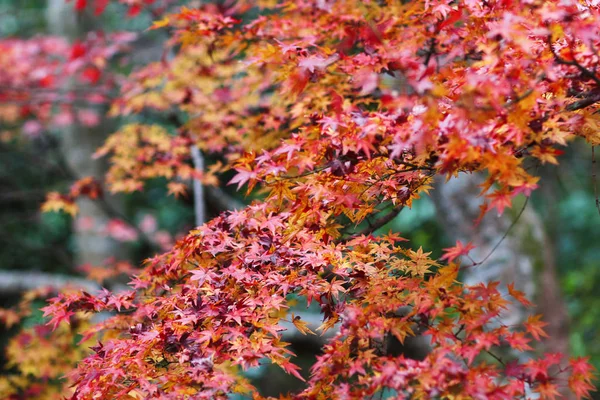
338,114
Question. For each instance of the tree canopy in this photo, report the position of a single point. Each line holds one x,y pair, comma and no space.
336,116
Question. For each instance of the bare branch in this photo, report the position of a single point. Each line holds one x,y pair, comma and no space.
504,236
199,208
221,200
15,282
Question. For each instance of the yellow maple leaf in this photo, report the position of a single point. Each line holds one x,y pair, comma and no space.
160,23
301,325
56,202
177,189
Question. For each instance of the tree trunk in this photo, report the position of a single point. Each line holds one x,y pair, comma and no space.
550,301
524,255
77,144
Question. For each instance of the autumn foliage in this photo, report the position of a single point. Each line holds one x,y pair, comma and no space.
338,114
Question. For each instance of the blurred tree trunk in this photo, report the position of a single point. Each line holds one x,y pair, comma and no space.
77,144
549,300
524,257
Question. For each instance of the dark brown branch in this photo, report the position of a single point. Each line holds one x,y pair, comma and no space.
431,51
591,98
518,99
587,98
373,226
574,63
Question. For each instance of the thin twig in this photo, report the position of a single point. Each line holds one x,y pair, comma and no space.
503,236
496,357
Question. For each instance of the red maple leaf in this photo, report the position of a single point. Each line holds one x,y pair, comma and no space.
243,176
134,10
91,74
518,295
77,50
535,326
80,4
460,249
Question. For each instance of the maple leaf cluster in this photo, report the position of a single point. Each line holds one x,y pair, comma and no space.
88,187
340,113
38,356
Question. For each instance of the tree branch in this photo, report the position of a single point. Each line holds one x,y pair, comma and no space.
373,226
590,99
199,207
573,63
221,200
15,282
